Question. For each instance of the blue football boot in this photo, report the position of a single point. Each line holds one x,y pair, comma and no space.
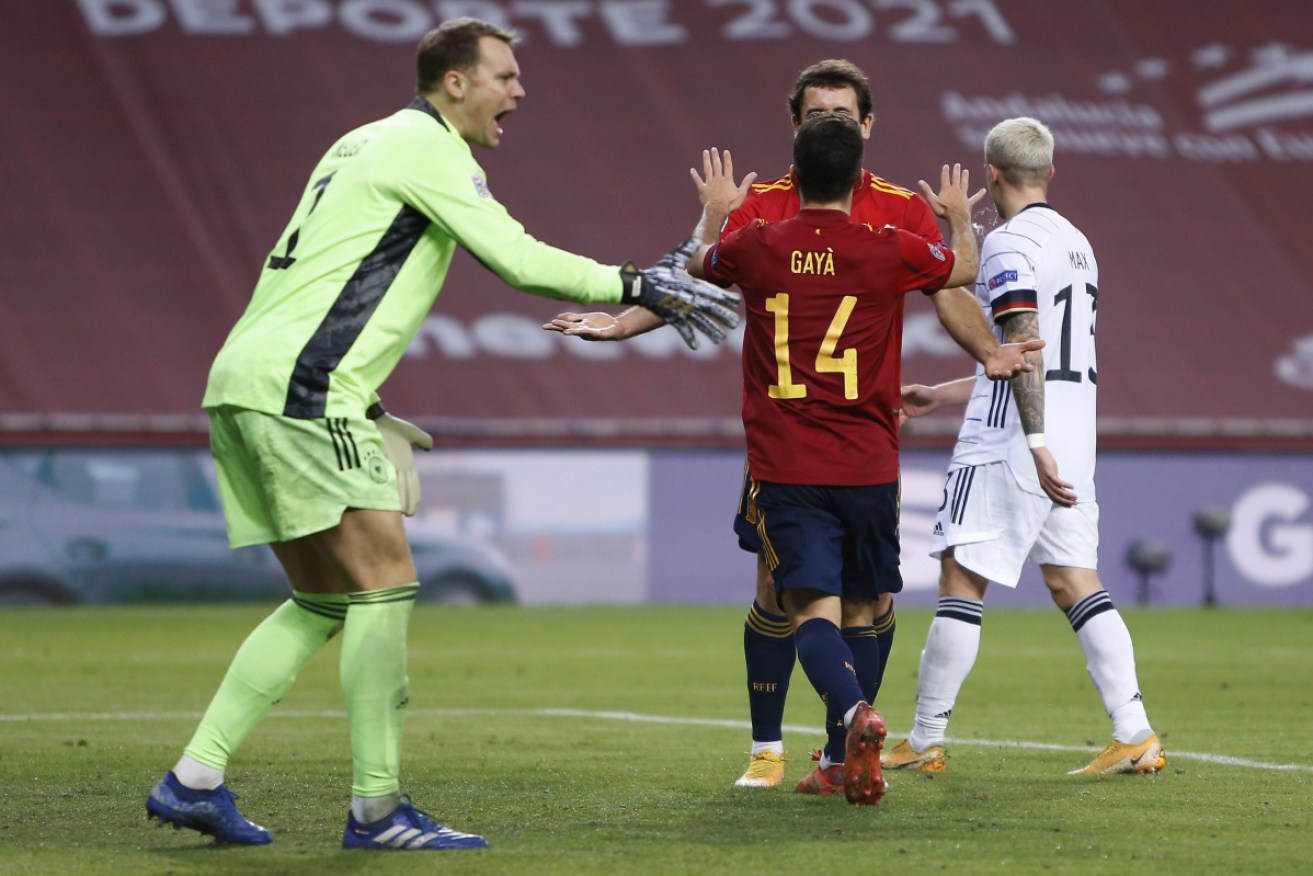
407,829
211,812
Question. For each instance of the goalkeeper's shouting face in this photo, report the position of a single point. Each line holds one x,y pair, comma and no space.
467,70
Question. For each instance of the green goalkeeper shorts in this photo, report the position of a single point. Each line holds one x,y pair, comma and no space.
282,478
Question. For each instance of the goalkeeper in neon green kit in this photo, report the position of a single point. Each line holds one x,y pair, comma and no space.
307,459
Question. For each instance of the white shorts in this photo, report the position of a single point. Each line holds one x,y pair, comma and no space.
994,526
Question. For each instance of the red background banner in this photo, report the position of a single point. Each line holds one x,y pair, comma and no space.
154,149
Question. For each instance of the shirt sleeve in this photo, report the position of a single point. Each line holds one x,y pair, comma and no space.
926,264
1008,275
750,209
720,263
449,188
921,221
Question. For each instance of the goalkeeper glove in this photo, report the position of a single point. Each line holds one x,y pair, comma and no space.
681,300
398,437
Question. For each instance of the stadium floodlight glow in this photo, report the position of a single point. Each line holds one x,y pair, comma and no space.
1148,558
1211,523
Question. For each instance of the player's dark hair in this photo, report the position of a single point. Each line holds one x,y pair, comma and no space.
827,156
832,73
453,45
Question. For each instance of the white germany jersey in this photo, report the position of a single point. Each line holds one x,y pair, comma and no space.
1039,262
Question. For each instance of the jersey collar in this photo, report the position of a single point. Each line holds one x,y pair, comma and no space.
863,187
823,217
424,106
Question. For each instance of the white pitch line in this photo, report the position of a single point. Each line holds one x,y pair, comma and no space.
1220,759
726,724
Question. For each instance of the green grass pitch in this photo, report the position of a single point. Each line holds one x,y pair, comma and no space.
606,740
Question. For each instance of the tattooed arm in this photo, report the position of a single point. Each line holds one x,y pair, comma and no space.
1028,391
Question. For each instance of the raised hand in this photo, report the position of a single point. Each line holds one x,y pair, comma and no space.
717,190
954,185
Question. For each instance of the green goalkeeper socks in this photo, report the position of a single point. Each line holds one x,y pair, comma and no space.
263,671
373,674
374,684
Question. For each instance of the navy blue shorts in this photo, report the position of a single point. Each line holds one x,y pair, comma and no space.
745,521
838,540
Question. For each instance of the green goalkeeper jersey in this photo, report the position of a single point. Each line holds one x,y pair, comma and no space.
362,261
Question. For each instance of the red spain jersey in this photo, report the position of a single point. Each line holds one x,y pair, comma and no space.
876,202
823,342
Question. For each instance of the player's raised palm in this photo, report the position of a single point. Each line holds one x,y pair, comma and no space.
717,191
954,192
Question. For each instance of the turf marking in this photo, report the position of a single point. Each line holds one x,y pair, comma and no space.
635,717
1220,759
